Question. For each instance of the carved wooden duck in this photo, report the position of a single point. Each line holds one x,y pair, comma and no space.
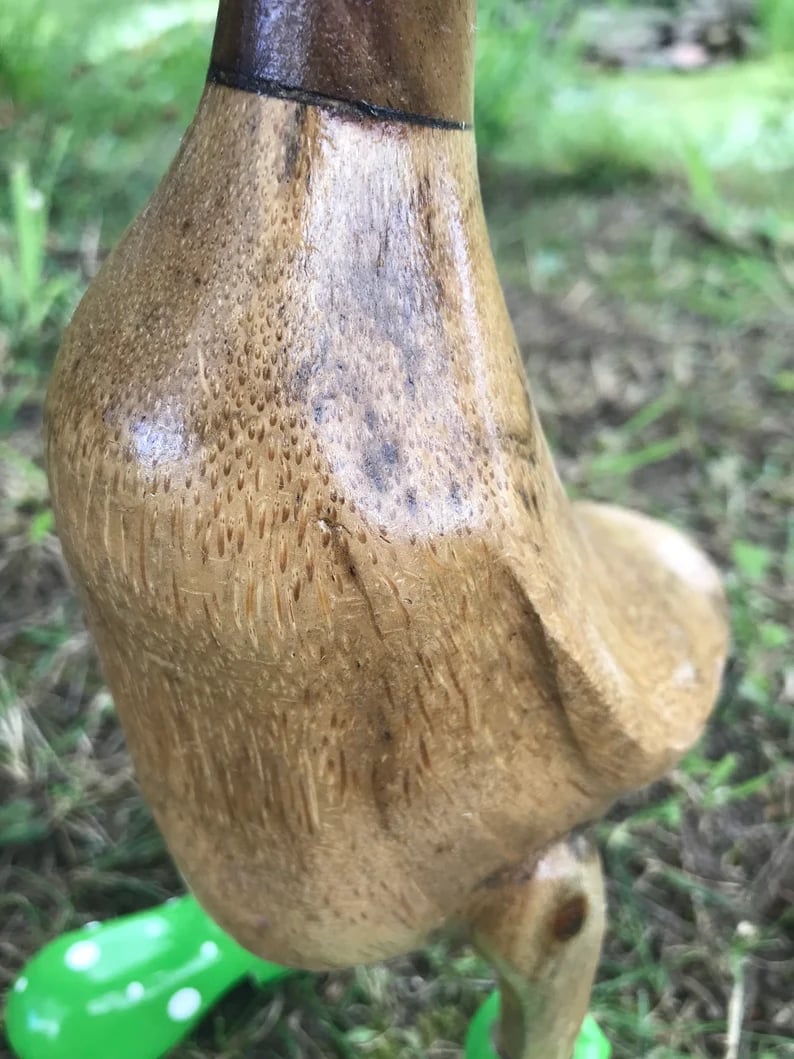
370,661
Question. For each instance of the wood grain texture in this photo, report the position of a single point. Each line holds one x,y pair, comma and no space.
540,927
415,57
365,652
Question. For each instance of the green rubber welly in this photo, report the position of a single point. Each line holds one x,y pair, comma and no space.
144,981
590,1044
136,985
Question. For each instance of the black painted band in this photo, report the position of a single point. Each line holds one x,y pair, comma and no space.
261,86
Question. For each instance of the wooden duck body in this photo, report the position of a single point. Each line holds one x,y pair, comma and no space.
365,652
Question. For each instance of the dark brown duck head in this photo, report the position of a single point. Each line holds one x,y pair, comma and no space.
366,653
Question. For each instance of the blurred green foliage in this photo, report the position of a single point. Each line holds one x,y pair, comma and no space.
776,19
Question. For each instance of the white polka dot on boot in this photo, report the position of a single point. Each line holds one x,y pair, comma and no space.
184,1004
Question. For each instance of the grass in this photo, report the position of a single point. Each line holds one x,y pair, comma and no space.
777,23
648,265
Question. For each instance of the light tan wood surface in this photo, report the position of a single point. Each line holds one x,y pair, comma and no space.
540,926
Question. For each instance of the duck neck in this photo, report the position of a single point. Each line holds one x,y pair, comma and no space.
406,60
